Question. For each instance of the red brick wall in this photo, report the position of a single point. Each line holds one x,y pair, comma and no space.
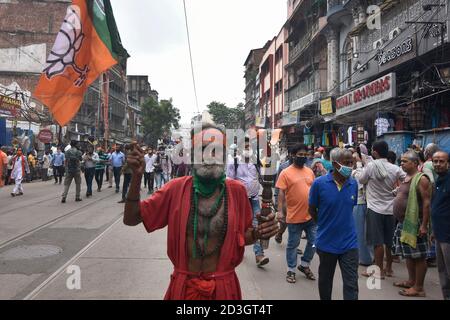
27,22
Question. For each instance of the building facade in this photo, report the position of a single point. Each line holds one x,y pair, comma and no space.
251,65
272,79
356,71
28,30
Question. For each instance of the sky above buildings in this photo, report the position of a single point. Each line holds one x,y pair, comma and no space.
222,34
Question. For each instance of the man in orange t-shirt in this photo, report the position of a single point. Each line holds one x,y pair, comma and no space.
294,184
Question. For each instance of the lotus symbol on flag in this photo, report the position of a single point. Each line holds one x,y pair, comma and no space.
68,43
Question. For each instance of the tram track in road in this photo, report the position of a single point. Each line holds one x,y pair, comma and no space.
43,285
53,221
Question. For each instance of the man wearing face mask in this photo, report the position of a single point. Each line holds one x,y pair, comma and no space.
247,173
331,201
209,221
294,184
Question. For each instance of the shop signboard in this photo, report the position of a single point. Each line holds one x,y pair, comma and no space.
290,119
376,91
9,107
304,101
326,106
260,122
45,136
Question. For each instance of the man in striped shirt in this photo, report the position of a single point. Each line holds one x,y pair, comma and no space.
100,168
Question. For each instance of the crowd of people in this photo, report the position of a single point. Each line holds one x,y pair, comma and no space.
71,163
352,207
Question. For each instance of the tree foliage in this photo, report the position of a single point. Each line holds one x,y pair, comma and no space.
158,119
231,118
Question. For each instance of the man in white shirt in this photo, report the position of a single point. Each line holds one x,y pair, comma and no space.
381,178
149,175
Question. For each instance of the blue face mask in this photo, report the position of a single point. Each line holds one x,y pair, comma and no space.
344,171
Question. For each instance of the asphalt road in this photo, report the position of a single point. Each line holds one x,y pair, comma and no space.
47,249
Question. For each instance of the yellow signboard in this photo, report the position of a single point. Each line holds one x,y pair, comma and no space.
326,106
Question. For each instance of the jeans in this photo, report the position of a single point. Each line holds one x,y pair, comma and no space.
366,253
165,177
117,171
443,265
256,208
348,263
126,184
68,181
99,177
158,178
89,174
294,234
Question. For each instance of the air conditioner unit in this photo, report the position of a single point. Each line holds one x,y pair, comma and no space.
378,44
394,33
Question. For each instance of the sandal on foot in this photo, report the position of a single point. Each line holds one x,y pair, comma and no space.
307,272
403,284
290,277
411,292
278,238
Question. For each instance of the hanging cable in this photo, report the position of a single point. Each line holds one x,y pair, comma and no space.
190,55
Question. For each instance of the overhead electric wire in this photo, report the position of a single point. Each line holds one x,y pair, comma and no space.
190,56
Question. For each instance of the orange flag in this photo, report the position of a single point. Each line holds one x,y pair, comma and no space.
87,44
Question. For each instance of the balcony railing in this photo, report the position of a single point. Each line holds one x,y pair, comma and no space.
315,28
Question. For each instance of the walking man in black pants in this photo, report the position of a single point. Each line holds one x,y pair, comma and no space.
117,162
331,201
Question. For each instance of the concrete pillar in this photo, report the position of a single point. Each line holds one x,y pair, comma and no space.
333,61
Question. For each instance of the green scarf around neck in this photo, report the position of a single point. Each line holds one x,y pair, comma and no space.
205,186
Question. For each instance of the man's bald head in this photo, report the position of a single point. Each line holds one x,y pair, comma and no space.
441,162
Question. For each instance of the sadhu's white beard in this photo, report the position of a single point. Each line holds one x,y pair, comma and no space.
211,171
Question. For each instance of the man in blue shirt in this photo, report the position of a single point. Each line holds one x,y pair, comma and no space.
58,165
331,201
117,162
440,217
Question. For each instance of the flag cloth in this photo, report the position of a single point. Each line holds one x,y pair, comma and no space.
87,44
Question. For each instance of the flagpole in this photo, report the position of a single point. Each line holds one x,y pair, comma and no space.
105,99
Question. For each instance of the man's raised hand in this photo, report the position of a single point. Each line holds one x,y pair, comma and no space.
135,159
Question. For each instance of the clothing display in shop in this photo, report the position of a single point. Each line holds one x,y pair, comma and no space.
350,136
382,125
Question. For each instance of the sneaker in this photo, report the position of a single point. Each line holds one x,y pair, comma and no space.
261,261
121,201
20,193
78,200
13,194
63,200
117,190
